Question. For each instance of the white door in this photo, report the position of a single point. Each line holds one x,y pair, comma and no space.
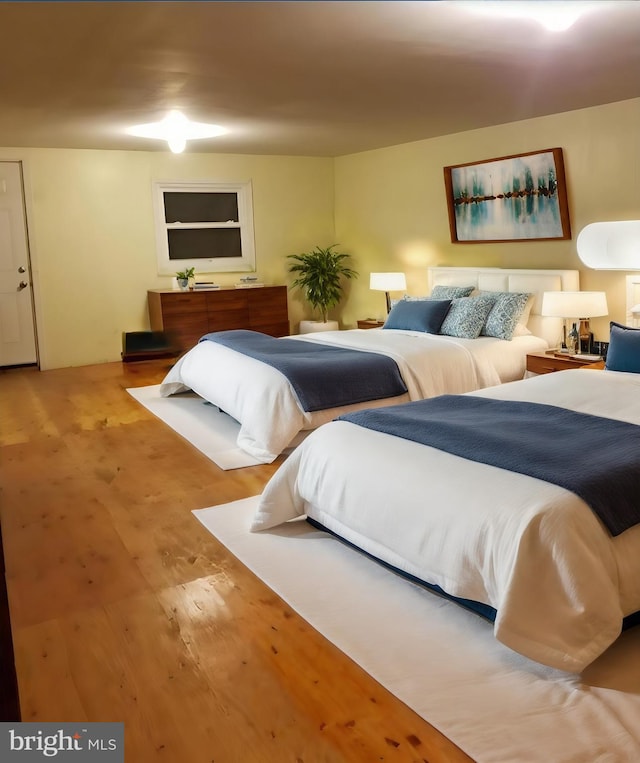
17,325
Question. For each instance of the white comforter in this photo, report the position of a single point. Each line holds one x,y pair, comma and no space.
267,407
534,551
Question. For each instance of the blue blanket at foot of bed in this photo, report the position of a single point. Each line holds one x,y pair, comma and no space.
596,458
322,376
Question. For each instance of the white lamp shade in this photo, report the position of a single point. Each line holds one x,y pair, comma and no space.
388,281
574,304
610,245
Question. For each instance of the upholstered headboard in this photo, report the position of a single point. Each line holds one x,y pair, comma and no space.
502,279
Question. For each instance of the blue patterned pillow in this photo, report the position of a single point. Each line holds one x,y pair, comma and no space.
466,317
451,292
418,315
503,318
407,298
624,349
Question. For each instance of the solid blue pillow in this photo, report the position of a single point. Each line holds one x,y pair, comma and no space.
624,349
424,315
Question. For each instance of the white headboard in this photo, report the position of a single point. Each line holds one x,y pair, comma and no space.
502,279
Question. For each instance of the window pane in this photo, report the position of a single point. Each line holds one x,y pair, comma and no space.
200,207
204,243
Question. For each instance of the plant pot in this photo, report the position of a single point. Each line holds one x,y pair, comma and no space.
310,327
183,283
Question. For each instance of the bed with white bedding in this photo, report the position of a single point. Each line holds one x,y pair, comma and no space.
534,552
265,404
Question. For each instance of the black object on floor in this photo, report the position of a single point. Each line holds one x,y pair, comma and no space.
147,345
9,700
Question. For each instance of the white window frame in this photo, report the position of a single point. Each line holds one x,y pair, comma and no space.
245,263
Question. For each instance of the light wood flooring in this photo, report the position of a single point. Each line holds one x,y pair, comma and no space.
124,608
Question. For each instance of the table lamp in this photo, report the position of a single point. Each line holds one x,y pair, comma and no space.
387,282
580,305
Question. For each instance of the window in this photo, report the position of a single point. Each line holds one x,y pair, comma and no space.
205,225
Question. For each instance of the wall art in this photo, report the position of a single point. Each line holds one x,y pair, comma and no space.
512,198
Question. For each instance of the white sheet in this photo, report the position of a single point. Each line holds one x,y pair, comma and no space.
264,403
534,551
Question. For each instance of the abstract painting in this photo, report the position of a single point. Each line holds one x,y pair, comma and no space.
512,198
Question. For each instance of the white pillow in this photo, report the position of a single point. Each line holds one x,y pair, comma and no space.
521,330
524,318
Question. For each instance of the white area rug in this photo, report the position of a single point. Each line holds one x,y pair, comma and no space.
200,423
438,658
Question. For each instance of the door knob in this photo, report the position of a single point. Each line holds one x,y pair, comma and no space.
22,285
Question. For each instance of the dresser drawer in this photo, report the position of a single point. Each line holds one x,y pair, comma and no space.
183,303
268,307
221,301
237,318
542,363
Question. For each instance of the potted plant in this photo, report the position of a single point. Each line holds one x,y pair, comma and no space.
183,277
320,274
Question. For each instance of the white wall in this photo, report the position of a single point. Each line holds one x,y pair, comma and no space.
93,240
391,205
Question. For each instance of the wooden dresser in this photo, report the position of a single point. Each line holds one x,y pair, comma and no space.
188,315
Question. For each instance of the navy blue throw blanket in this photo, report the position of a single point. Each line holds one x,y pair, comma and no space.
322,376
596,458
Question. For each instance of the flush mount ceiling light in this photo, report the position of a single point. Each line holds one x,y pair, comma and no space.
176,129
554,15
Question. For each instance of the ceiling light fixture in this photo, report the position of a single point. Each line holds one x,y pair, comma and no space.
176,129
554,15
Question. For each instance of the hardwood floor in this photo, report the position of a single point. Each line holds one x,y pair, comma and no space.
124,608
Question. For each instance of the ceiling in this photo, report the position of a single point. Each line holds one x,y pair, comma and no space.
299,78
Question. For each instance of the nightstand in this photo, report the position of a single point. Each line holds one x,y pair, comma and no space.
370,323
546,363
